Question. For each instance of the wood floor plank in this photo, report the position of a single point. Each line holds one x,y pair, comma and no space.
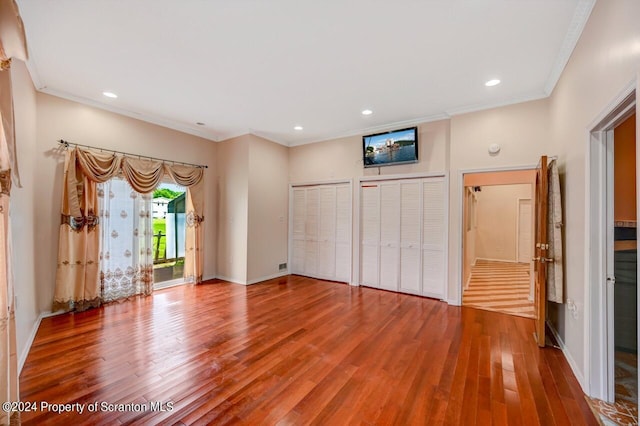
500,287
296,350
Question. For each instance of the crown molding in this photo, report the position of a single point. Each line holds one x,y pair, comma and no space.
578,22
170,124
373,129
512,101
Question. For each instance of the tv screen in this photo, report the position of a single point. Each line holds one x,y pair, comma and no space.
390,148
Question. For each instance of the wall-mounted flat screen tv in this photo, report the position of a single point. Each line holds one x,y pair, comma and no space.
390,148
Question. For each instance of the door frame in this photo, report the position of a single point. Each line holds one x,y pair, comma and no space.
598,351
532,228
518,209
460,225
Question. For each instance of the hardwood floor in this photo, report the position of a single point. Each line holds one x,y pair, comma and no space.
500,287
297,351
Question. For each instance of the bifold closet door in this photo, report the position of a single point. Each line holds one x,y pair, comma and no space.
298,231
410,237
327,232
311,233
434,234
343,233
370,234
321,231
389,235
403,235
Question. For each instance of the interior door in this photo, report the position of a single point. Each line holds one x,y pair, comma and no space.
540,259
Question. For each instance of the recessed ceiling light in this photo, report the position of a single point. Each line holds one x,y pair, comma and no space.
493,82
200,123
298,128
367,112
110,94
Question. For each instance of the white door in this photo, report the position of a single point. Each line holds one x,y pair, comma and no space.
311,233
298,218
410,215
327,232
433,238
370,234
389,235
525,214
343,233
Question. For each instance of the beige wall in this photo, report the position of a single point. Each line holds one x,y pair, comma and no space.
342,158
268,208
605,60
522,130
23,208
497,217
62,119
233,220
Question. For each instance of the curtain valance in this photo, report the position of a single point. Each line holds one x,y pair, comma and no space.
142,174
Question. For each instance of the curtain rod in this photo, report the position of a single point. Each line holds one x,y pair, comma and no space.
66,145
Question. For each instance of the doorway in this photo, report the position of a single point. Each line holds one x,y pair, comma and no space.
497,241
622,260
169,219
612,255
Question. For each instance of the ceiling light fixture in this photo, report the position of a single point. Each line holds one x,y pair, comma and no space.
110,94
298,128
367,112
200,123
493,82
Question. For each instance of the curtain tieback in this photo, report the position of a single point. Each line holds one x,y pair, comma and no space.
5,182
78,223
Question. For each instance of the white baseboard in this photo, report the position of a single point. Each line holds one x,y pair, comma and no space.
353,284
32,336
254,281
268,277
231,280
569,358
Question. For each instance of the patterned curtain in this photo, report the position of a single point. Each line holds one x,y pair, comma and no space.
8,356
13,44
77,285
126,255
194,255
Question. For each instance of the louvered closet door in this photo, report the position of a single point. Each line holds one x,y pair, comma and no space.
311,233
389,235
433,237
410,217
327,232
298,248
321,231
343,233
370,234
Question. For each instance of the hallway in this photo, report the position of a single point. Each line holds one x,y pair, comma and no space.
500,287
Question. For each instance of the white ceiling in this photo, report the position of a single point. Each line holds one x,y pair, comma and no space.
264,66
